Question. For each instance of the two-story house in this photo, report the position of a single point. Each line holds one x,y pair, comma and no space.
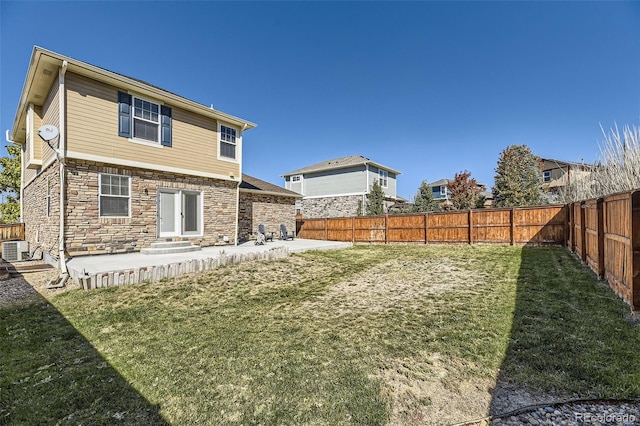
130,163
557,176
441,193
336,188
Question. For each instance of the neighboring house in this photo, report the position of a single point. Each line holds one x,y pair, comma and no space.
441,193
335,188
132,163
265,203
557,175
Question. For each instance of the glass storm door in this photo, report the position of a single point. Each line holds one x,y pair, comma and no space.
179,213
190,213
169,214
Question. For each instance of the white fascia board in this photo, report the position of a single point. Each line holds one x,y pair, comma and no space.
380,166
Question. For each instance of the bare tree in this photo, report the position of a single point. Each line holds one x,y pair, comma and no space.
618,169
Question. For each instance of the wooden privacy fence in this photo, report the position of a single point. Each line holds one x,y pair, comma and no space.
11,232
605,234
518,226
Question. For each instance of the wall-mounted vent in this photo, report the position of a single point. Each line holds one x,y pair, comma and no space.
15,251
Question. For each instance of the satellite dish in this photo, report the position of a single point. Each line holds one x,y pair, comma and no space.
48,132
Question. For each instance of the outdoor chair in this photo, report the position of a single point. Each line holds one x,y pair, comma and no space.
260,240
268,236
284,235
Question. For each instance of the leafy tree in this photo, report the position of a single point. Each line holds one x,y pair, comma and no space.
424,201
480,201
463,191
10,184
375,200
518,180
359,209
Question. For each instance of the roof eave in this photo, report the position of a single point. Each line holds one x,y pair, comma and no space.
261,192
338,167
112,77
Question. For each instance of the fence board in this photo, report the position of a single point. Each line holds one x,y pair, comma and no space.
12,232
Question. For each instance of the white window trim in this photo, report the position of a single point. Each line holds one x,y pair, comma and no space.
293,178
200,230
179,193
146,142
238,143
383,176
544,176
109,195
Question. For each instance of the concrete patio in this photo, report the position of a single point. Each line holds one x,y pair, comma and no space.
118,269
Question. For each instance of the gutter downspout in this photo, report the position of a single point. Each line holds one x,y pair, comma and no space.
22,162
244,127
62,139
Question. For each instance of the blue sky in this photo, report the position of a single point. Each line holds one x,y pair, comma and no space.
427,88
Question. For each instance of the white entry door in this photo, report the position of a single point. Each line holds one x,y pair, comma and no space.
179,213
169,214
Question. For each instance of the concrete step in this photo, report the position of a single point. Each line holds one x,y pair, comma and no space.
170,247
170,244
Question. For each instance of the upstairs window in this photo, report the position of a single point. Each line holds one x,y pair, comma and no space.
546,176
443,191
228,142
295,178
144,120
384,178
114,195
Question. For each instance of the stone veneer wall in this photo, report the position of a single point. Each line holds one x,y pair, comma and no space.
346,206
87,233
41,229
269,210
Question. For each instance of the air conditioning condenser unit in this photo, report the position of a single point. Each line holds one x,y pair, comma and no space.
15,251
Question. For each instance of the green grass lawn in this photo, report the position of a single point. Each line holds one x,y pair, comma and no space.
368,335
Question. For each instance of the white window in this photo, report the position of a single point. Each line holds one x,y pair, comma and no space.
384,178
546,176
295,178
114,194
443,191
146,120
228,143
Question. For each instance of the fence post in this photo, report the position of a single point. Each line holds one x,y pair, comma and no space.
513,225
470,219
600,213
386,233
567,226
583,233
353,229
426,228
325,228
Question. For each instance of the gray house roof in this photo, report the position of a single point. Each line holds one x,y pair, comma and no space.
339,163
258,186
440,182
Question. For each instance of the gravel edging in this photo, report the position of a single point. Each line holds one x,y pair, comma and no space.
27,287
619,412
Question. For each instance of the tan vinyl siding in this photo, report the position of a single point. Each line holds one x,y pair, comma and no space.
51,115
37,123
29,175
92,129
